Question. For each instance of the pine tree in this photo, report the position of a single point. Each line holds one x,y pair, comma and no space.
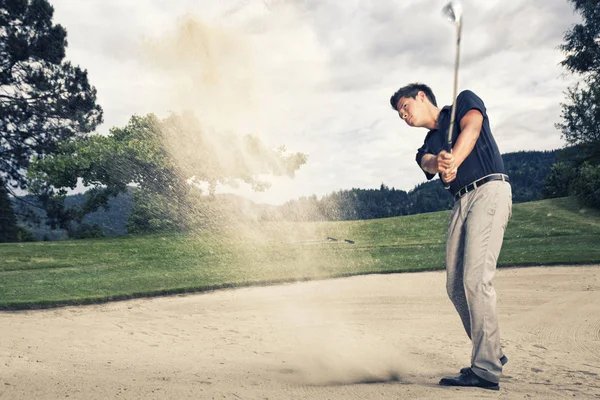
581,111
44,100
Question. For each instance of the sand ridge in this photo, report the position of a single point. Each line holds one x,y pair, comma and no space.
367,337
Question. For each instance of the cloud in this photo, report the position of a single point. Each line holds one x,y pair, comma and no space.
316,75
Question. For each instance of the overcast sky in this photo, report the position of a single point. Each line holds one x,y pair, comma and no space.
317,75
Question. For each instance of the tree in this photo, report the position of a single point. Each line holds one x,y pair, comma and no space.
581,118
581,46
581,111
44,100
165,160
8,221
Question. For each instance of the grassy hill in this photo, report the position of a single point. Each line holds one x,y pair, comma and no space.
75,272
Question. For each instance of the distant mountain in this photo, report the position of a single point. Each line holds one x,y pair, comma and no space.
111,221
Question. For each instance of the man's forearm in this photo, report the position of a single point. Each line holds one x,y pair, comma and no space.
464,145
429,164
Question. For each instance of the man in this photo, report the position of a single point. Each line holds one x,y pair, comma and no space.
474,174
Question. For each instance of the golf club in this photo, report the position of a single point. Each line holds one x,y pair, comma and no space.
453,11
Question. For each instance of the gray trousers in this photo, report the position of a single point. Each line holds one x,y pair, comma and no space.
475,235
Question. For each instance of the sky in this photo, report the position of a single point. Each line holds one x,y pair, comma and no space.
316,75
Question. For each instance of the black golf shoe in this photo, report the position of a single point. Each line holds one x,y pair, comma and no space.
469,379
503,360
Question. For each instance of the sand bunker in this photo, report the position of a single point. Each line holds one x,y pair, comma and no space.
369,337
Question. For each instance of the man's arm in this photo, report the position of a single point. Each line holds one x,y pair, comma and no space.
470,127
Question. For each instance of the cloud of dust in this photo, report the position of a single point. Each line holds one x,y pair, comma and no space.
210,70
213,72
332,348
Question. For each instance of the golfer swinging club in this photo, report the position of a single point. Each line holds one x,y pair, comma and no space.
474,173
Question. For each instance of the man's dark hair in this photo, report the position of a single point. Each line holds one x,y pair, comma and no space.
411,91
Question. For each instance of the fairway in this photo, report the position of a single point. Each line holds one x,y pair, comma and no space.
46,274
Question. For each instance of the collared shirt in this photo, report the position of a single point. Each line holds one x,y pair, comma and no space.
484,159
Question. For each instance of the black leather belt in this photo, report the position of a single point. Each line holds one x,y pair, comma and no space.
472,186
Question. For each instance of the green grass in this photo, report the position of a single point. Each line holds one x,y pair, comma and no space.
47,274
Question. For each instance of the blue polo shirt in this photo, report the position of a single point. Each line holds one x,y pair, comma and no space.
485,159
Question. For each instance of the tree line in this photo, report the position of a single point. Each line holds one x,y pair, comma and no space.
528,170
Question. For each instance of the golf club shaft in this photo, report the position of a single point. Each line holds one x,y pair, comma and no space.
456,62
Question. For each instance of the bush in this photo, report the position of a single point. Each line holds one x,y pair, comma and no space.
86,231
586,186
559,180
25,235
153,213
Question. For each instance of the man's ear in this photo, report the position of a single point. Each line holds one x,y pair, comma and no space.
421,95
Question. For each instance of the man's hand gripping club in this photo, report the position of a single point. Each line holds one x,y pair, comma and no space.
444,163
447,166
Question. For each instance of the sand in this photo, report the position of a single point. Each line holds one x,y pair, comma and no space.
369,337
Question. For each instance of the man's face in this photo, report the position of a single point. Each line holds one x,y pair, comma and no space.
412,111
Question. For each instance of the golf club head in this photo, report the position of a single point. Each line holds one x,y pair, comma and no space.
453,11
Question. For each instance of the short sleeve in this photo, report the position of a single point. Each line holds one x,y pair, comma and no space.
467,101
